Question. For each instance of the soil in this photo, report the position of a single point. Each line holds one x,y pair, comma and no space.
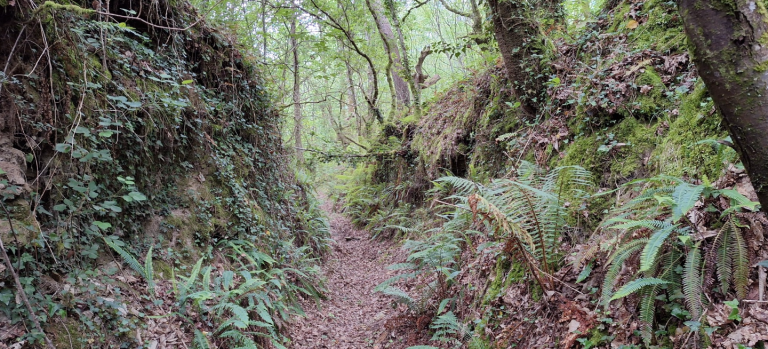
352,316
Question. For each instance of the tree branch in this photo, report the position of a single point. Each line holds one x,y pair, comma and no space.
333,23
19,287
418,4
456,11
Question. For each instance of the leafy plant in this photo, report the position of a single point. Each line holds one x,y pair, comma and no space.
525,212
670,260
146,270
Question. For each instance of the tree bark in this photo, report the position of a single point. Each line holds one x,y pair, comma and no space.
390,46
729,40
296,95
352,103
406,65
520,44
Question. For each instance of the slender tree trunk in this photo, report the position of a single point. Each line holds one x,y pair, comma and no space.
520,45
387,35
730,50
264,27
352,96
296,95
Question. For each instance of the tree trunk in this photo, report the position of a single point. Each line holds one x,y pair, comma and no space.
728,39
296,95
352,101
387,35
406,65
520,44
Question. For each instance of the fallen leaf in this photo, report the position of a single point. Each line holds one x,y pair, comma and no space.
632,24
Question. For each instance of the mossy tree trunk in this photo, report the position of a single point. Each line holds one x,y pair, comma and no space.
729,43
517,33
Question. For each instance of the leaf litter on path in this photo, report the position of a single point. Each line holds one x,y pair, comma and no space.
352,316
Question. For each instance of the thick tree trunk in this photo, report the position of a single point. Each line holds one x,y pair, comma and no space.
519,43
729,40
406,65
396,71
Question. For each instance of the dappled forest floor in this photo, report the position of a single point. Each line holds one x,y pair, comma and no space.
351,315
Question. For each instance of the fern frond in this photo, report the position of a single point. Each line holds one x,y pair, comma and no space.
648,312
149,272
685,197
629,224
127,257
740,261
648,257
462,185
616,261
635,285
399,295
724,264
692,283
201,341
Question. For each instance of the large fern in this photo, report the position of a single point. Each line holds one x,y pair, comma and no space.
526,211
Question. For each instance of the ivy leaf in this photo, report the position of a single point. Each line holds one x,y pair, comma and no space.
102,225
137,196
63,148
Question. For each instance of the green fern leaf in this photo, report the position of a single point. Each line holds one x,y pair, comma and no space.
616,261
399,295
723,258
651,249
648,312
127,257
201,341
692,283
685,197
240,313
149,271
740,262
261,309
192,277
635,285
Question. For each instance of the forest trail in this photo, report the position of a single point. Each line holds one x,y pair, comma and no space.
352,316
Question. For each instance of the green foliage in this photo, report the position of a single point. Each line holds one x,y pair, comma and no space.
730,253
146,271
673,265
527,212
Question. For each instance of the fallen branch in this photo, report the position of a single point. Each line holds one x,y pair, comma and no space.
330,155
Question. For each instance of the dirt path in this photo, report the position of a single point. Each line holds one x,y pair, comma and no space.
353,316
